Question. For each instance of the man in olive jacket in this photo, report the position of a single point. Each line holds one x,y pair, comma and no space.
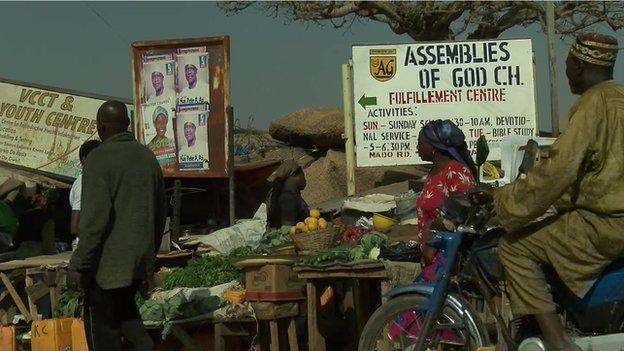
121,224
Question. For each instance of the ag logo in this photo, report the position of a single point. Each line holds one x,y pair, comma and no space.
382,64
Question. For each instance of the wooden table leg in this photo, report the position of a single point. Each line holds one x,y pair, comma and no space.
31,304
349,303
316,340
52,281
292,335
16,298
54,296
362,301
185,338
273,326
219,344
257,342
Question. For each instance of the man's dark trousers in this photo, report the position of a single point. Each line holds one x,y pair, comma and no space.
110,315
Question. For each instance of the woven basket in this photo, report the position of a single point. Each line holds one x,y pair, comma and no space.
316,240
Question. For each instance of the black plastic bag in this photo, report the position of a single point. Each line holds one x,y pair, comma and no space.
401,252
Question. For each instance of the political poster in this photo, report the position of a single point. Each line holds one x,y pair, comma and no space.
159,134
484,87
42,128
192,137
158,78
192,76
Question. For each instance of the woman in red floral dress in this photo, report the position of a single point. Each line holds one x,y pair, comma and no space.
442,143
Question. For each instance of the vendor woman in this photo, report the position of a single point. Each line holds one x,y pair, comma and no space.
285,206
442,143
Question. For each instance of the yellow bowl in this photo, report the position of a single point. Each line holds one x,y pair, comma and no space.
381,222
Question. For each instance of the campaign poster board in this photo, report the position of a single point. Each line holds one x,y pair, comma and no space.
42,127
181,95
485,87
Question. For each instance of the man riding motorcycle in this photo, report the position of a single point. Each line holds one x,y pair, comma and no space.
585,174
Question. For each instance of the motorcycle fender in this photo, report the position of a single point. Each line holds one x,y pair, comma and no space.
420,289
426,290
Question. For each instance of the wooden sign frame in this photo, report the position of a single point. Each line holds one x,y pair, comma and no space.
218,49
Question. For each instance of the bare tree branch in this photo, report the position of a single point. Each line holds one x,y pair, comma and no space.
441,20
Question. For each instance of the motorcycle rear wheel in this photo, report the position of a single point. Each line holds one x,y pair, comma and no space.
465,324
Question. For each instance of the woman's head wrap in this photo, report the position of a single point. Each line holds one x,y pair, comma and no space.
445,136
160,111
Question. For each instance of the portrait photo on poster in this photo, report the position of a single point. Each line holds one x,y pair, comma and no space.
158,77
192,137
159,133
192,76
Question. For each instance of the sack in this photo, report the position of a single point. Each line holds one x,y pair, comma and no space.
401,252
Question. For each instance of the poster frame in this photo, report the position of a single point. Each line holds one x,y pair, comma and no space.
219,81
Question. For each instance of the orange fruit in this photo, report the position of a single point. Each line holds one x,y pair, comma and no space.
313,225
314,213
322,224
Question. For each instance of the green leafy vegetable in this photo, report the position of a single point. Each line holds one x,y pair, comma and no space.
273,238
367,248
70,303
205,271
241,251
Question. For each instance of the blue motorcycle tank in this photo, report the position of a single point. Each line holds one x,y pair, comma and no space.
601,310
608,288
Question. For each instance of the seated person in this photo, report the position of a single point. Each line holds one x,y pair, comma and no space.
8,226
35,231
285,206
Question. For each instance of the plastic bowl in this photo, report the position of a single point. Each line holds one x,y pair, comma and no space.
381,222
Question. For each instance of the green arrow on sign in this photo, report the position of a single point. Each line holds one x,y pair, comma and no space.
367,101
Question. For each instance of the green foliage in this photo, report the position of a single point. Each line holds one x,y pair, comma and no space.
205,271
241,251
70,303
374,239
345,254
273,238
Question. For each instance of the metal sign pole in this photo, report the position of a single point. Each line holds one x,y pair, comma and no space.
347,101
177,210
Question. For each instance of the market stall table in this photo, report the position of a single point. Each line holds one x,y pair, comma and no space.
48,266
271,313
361,276
179,329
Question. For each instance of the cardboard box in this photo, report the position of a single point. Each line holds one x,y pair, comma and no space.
51,335
79,337
7,338
273,282
266,310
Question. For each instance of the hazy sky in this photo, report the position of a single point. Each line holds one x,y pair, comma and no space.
275,67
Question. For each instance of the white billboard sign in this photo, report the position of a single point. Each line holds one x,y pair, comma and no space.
484,87
43,128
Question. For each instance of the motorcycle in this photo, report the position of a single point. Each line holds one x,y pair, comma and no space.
421,316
